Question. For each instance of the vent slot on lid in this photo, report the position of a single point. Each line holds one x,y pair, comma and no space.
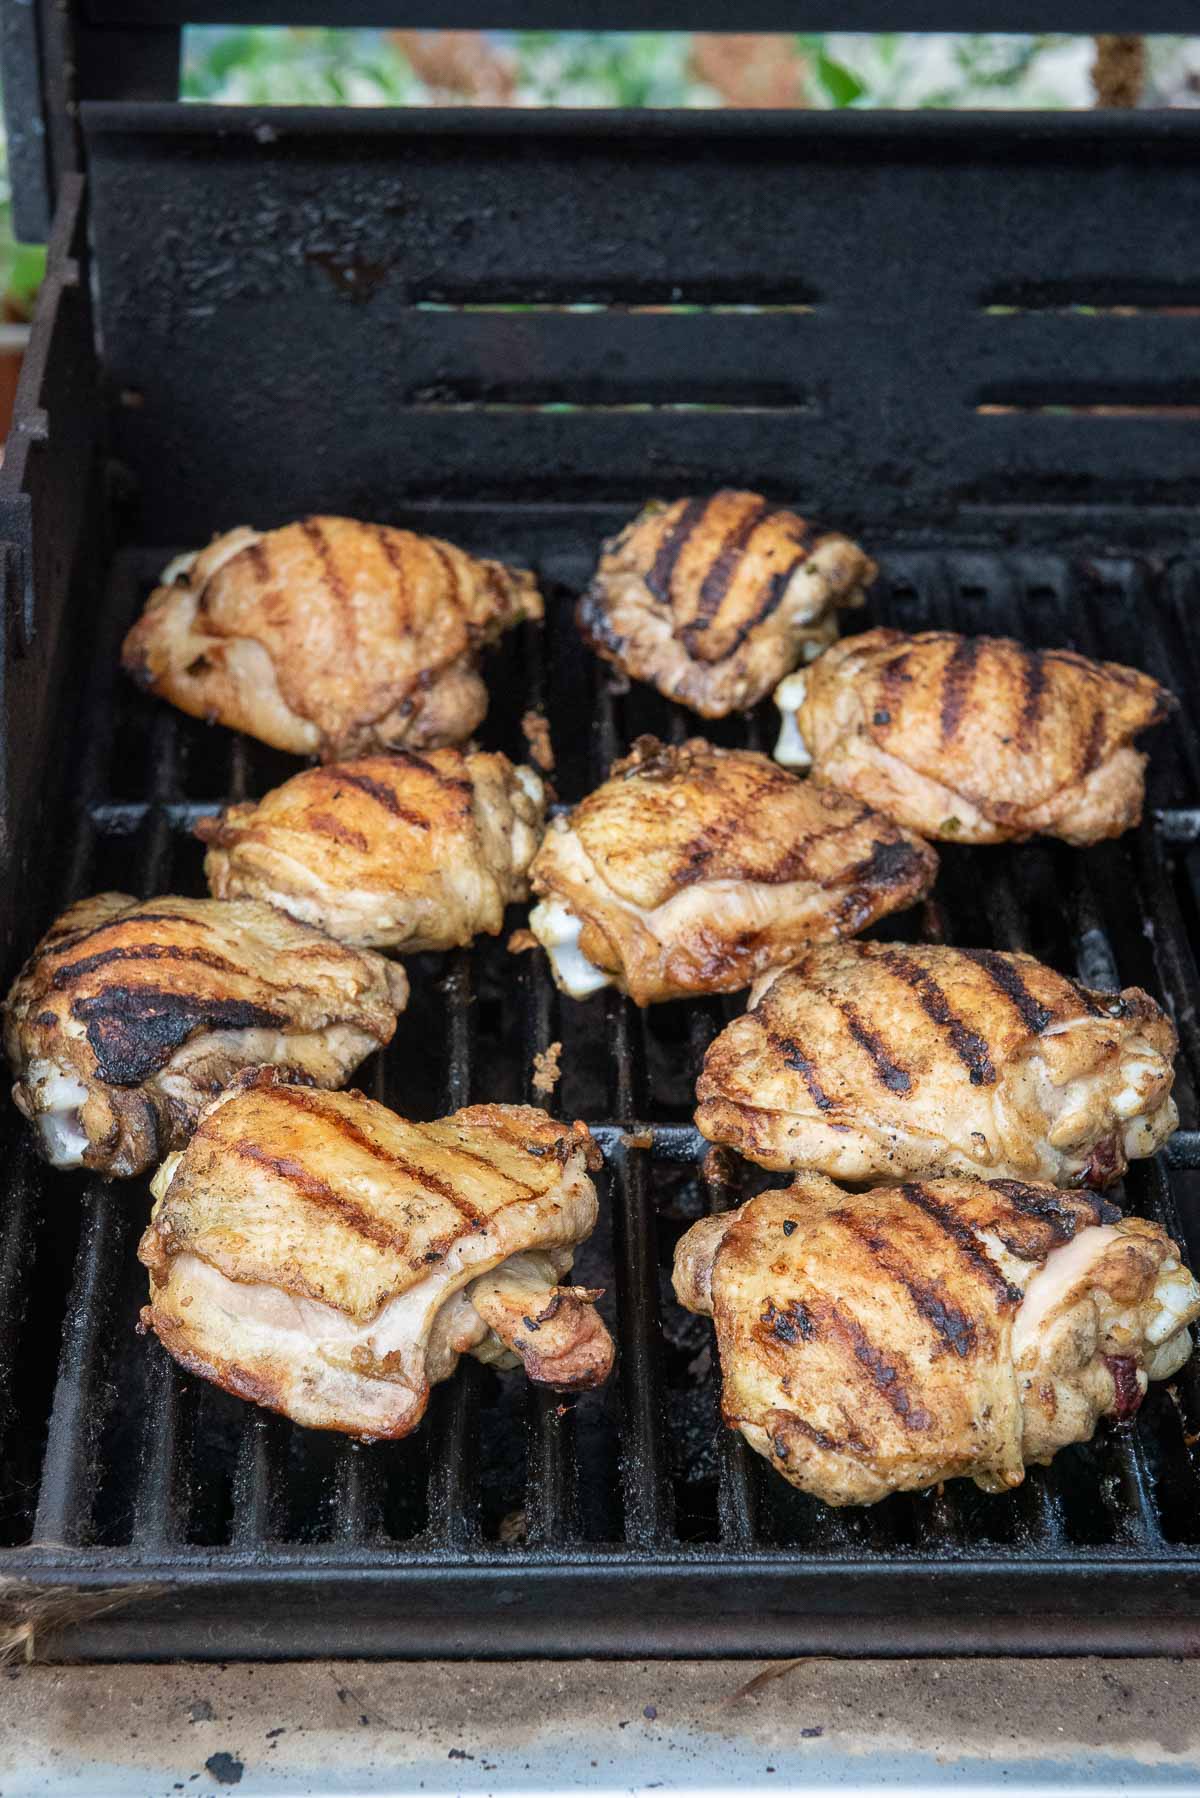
1121,297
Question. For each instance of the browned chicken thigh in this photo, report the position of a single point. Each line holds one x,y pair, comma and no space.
713,600
319,1255
975,739
403,852
879,1061
694,870
881,1341
130,1015
328,637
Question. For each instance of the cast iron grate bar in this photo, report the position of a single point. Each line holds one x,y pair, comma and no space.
69,1468
454,1409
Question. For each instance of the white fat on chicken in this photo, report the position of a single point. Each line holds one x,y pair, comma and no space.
1161,1321
730,907
54,1102
557,930
791,750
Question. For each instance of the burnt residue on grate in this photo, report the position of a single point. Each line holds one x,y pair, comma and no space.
113,1463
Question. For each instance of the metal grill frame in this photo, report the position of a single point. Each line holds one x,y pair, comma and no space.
1095,1555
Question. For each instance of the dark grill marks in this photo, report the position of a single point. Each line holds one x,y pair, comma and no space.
892,864
205,958
313,530
1091,748
694,859
895,677
955,1330
1033,681
59,942
383,795
336,1121
788,1323
449,567
671,548
821,1438
364,1223
134,1031
1003,975
794,1057
326,825
1046,1207
489,1167
773,592
964,1237
716,582
882,1369
970,1048
957,677
1094,1007
892,1075
453,783
391,555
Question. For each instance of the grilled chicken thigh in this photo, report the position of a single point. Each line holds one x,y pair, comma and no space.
328,637
317,1254
975,739
880,1341
131,1014
694,870
402,851
713,600
880,1061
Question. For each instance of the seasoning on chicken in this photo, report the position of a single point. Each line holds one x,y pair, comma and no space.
130,1015
881,1061
694,870
319,1255
881,1341
402,851
975,739
713,600
328,637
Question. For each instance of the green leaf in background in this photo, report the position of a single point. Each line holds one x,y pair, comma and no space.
840,85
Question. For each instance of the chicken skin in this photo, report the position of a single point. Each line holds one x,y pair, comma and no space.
329,637
881,1341
316,1254
713,600
975,739
130,1015
694,870
402,852
881,1061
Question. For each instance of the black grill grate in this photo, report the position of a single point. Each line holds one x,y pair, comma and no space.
624,1521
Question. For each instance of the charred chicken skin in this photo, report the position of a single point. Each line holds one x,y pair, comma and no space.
317,1254
883,1061
329,637
881,1341
403,852
713,600
975,739
694,870
131,1014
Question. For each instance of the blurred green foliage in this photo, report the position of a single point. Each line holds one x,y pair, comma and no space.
283,66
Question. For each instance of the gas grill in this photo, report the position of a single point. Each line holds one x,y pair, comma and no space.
975,341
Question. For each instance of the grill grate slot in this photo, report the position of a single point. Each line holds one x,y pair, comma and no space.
146,1471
